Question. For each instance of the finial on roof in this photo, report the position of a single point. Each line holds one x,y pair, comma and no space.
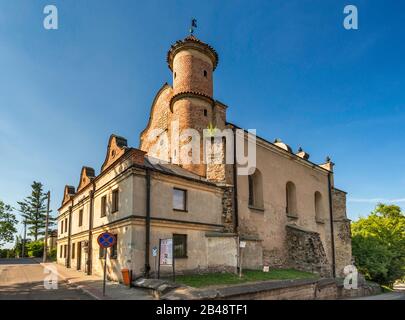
300,149
328,159
277,140
193,25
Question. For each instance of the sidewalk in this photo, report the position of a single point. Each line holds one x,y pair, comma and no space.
93,285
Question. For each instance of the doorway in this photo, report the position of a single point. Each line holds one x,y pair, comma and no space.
79,256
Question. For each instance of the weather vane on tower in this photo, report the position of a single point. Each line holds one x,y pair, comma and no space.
193,25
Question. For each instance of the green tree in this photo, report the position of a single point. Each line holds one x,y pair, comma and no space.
33,211
378,244
35,249
18,246
8,223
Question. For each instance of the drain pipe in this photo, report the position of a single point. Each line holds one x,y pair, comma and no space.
69,237
235,204
147,224
89,245
332,233
235,187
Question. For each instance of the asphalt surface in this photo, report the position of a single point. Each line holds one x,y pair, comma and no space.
396,295
23,279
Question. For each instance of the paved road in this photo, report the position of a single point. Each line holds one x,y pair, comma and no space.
385,296
23,279
397,294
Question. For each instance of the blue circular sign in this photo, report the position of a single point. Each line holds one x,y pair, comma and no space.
106,240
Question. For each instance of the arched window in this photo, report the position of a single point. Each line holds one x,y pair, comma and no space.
319,211
256,190
291,200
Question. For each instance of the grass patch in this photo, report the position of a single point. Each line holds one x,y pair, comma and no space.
209,279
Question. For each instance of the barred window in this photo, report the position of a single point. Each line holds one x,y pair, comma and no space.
180,245
115,201
101,252
114,249
103,206
80,217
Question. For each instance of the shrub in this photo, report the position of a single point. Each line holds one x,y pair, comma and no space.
378,244
52,254
35,249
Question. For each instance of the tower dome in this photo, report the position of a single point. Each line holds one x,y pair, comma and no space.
192,62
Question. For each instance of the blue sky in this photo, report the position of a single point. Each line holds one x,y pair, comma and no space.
287,68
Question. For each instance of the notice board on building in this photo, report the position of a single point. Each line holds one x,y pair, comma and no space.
166,255
166,252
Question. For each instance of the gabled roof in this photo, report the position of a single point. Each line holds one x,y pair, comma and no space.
86,176
68,194
116,148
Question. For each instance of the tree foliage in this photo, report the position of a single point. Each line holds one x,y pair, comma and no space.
33,211
35,248
8,223
378,244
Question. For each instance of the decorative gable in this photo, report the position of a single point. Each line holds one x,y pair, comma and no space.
86,176
116,148
68,194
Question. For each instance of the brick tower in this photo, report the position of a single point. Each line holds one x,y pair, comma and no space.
192,63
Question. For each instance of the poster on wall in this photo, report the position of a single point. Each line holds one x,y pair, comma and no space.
166,252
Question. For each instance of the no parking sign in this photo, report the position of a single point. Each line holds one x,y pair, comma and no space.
106,240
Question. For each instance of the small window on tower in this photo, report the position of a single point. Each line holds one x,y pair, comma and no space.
205,73
175,75
205,112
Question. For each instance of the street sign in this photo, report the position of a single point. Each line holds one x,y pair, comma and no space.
154,251
106,240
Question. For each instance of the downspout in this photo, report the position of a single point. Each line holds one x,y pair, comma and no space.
332,234
147,224
235,202
89,244
235,187
69,236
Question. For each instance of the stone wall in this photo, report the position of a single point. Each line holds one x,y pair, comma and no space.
342,232
227,209
306,252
